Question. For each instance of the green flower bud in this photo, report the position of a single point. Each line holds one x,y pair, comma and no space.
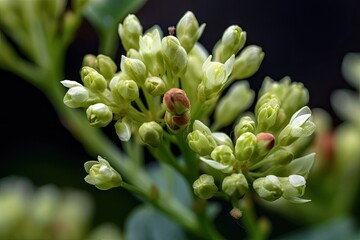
245,146
177,123
99,115
268,188
150,50
176,101
265,142
223,139
123,130
245,124
204,186
280,156
238,98
223,154
102,175
188,31
297,97
215,75
233,39
174,54
235,185
200,143
155,86
151,133
76,96
293,186
134,68
89,60
92,79
106,66
248,62
128,90
267,114
130,31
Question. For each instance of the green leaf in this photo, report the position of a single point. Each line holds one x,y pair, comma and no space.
105,14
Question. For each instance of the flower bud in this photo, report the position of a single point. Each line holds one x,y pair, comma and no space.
128,90
293,186
233,39
245,146
235,185
76,97
155,86
89,60
223,154
177,123
222,139
130,31
176,101
200,143
268,188
265,142
267,114
188,31
92,79
248,62
297,97
174,54
237,99
106,66
151,133
150,50
245,124
204,186
99,115
102,175
123,130
134,68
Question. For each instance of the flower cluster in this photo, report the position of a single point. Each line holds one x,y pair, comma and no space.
171,85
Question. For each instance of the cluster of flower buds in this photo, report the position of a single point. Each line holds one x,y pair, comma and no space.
172,83
265,153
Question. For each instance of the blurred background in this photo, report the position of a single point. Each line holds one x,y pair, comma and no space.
306,40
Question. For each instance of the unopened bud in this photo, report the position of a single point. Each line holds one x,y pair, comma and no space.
155,86
204,186
151,133
99,115
176,101
223,154
248,62
235,185
106,66
265,142
92,79
174,54
134,68
245,146
130,31
268,188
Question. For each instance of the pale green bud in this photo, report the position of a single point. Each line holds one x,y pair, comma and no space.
223,139
150,50
151,133
174,54
200,143
155,86
237,99
297,97
245,146
102,175
92,79
280,156
188,31
134,68
248,62
89,60
223,154
106,66
130,31
293,186
123,130
99,115
268,188
245,124
128,90
233,39
76,97
204,186
267,114
132,53
235,185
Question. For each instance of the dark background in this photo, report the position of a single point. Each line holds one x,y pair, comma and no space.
305,40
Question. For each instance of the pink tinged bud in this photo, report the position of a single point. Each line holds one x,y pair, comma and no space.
176,101
177,122
265,142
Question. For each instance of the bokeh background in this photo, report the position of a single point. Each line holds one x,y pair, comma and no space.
305,40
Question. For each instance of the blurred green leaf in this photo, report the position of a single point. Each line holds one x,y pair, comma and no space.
105,14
